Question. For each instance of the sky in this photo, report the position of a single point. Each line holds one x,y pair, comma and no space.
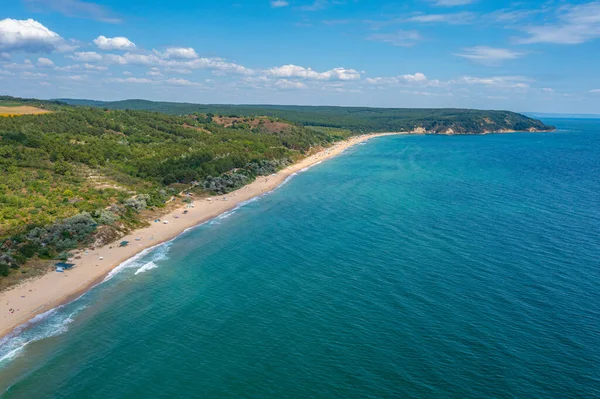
524,56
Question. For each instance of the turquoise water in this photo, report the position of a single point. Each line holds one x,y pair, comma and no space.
409,267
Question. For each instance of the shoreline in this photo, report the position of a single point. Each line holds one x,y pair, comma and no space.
39,295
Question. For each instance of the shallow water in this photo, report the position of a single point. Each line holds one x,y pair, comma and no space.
410,267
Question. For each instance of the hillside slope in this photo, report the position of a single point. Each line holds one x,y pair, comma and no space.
355,119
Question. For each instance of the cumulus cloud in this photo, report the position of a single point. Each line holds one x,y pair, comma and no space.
489,55
129,80
181,82
29,36
45,63
86,56
575,24
154,72
179,53
417,78
81,67
279,3
25,65
289,84
400,38
114,43
295,71
32,75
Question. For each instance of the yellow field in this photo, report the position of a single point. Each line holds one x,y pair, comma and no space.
21,110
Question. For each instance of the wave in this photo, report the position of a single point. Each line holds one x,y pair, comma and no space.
159,252
148,266
45,325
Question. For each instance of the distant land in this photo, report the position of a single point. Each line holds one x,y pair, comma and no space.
355,119
77,173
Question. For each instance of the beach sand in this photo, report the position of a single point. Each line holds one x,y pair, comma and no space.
32,297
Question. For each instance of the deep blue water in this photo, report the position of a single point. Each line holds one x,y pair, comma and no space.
409,267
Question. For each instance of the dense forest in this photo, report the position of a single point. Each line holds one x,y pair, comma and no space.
355,119
79,171
68,173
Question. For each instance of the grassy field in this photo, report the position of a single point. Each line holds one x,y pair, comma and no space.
8,110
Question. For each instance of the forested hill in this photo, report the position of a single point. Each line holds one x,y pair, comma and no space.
355,119
72,174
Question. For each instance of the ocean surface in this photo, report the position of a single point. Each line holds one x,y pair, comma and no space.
408,267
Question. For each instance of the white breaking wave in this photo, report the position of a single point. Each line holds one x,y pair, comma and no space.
42,326
148,266
159,252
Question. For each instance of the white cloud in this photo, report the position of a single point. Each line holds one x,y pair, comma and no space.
86,56
548,90
154,72
80,67
45,63
4,56
129,80
27,74
91,67
180,53
181,82
417,78
127,73
288,84
595,91
399,38
575,24
114,43
516,82
488,55
294,71
279,3
29,36
452,19
25,65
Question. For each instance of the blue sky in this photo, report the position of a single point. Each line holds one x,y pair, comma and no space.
539,56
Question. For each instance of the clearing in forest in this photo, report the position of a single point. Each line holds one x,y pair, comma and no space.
21,110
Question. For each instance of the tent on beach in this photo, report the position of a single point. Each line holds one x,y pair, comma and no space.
124,243
62,266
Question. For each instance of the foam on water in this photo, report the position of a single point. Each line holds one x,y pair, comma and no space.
148,266
45,325
158,252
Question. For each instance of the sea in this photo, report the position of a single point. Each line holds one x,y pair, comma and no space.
407,267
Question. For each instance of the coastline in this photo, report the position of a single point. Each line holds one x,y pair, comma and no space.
39,295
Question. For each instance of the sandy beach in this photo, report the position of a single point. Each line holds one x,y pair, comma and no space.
21,303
